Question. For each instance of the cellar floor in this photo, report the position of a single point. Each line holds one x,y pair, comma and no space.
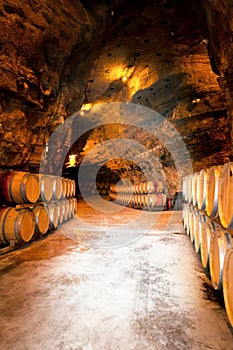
110,281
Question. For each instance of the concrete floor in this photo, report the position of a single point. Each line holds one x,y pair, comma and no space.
98,284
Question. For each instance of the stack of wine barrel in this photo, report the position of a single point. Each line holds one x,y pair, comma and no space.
148,195
208,220
89,188
33,204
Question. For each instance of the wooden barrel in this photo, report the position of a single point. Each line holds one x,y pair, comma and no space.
228,284
16,225
219,244
71,207
201,188
57,187
225,191
64,188
60,212
65,209
184,215
192,223
74,188
185,189
19,187
46,187
188,219
154,187
70,212
194,188
68,188
75,205
41,218
199,219
53,215
206,229
189,188
156,200
212,185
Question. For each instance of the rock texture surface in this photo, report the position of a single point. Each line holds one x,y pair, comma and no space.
172,57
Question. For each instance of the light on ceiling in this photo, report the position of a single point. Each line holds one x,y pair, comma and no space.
196,100
86,107
72,160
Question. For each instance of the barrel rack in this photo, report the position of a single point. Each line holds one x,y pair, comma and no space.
47,200
208,221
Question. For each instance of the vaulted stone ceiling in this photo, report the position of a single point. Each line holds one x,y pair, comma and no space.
172,57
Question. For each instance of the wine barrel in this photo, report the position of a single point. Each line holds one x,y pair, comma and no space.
68,188
64,188
189,188
188,219
185,189
201,188
192,223
65,209
184,215
53,215
199,219
19,187
206,229
228,284
41,218
16,225
156,200
225,190
60,212
219,244
57,187
194,188
212,185
75,205
46,187
74,188
154,187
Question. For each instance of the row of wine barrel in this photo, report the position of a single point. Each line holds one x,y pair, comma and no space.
149,202
140,188
89,188
211,190
215,246
23,187
22,223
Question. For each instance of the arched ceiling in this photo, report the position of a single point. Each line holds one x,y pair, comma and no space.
57,56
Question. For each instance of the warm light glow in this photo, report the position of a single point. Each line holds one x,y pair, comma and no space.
196,100
72,160
86,107
124,79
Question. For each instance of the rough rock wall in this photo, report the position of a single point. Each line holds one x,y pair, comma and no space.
56,55
219,28
44,66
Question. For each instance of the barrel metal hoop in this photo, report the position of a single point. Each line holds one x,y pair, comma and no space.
3,224
23,188
10,188
17,225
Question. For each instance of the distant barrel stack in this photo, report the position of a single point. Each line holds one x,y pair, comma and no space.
147,195
208,220
33,205
92,188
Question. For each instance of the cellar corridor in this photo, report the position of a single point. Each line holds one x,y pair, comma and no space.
144,290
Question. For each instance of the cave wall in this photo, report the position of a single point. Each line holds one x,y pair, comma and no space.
40,43
55,56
